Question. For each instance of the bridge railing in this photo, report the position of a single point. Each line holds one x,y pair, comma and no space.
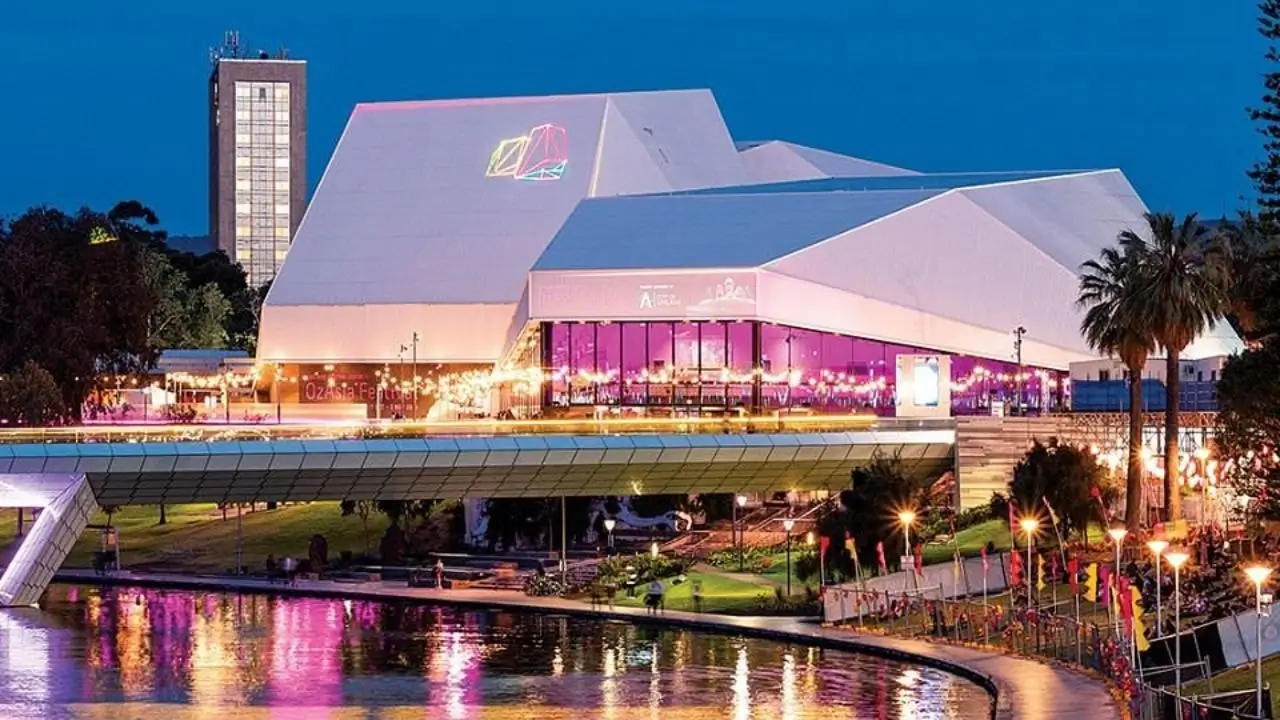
388,430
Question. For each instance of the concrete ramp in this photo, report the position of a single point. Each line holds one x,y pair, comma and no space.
66,503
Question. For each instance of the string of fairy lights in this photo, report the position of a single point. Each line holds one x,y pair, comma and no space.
473,388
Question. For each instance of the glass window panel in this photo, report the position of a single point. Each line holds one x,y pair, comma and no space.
806,366
738,351
559,353
660,359
712,347
837,383
660,348
635,337
608,363
686,347
582,364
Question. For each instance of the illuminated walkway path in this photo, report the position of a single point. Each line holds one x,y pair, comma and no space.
1025,689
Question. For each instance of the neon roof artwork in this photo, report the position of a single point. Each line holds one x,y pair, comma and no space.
542,154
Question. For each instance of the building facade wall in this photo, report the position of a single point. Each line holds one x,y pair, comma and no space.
257,160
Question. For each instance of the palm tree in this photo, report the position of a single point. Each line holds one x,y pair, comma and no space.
1109,291
1247,250
1184,293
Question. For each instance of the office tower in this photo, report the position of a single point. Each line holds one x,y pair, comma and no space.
257,156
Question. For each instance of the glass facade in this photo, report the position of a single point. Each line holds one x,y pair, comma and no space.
718,365
262,178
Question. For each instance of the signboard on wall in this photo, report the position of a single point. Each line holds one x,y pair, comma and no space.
613,296
924,386
348,384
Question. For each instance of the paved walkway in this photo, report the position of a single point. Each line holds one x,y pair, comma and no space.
1024,689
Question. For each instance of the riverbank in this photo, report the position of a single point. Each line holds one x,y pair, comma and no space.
1021,688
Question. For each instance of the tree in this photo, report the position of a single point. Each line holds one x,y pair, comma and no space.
1067,477
1248,433
30,397
1251,257
1113,324
183,316
1184,294
362,509
869,511
72,299
510,519
1266,173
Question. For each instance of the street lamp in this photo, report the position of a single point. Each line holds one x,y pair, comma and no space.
1176,560
1029,526
740,502
788,525
1117,534
609,525
906,517
1157,548
1258,574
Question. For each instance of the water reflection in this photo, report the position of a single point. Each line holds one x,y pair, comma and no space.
143,653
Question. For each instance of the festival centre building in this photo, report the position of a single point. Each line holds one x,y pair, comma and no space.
621,253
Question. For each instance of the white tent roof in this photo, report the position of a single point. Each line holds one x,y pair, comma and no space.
780,161
464,220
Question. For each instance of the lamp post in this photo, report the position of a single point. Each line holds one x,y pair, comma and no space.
1157,548
1018,332
906,517
415,374
1258,574
740,502
1117,534
788,525
275,380
1176,560
1029,526
1202,458
609,525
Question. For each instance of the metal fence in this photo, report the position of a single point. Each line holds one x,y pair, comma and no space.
1051,633
733,425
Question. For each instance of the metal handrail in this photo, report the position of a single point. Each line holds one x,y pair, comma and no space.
765,424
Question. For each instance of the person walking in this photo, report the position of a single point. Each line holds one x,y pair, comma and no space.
439,571
653,598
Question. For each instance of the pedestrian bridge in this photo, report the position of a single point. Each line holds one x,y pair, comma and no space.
73,471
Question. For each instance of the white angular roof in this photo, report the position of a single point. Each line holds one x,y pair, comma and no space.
780,161
464,220
420,207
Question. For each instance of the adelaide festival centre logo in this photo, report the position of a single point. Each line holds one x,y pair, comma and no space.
540,154
726,297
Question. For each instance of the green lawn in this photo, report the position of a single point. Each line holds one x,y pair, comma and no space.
196,538
720,593
971,541
1241,678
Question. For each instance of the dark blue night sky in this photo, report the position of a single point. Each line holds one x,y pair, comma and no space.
106,100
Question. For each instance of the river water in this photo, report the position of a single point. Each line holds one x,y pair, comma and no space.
171,655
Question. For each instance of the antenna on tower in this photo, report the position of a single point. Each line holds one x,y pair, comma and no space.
230,47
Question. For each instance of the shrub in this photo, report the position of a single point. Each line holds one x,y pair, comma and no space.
1067,477
805,565
541,585
753,559
647,568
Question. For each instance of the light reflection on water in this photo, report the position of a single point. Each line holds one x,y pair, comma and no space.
136,653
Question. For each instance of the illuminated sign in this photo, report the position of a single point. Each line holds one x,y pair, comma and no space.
541,154
928,381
